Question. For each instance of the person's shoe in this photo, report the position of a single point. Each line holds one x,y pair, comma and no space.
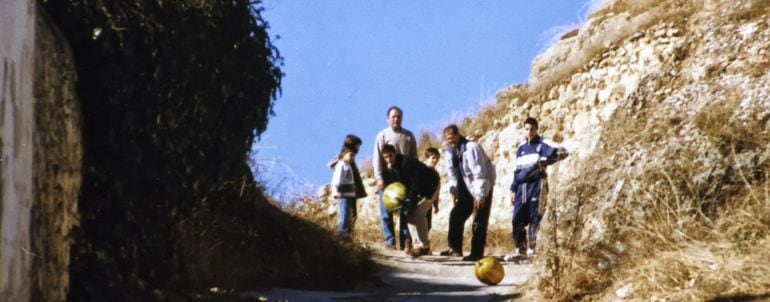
512,257
472,257
390,246
408,246
452,253
421,251
517,258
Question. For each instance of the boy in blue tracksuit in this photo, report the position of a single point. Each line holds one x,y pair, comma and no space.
530,185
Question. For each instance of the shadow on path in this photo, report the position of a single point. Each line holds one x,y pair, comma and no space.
428,278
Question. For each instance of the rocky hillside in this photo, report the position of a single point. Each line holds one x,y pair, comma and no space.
664,105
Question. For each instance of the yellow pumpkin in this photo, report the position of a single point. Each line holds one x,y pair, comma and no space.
393,196
489,270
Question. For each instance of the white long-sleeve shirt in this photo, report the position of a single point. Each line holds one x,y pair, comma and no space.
342,180
403,140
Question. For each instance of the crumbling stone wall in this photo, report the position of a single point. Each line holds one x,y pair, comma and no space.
57,158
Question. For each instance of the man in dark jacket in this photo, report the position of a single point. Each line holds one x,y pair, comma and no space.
421,183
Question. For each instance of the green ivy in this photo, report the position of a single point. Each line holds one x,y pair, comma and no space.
173,95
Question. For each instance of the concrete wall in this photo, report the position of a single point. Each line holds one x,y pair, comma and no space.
40,175
17,26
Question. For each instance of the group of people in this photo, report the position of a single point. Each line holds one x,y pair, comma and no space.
471,177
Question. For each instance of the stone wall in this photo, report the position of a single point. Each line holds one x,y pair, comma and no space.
16,127
57,163
41,155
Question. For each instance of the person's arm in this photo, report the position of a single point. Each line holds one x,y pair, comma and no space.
452,178
377,161
337,178
411,172
477,159
333,162
412,145
436,198
514,186
552,152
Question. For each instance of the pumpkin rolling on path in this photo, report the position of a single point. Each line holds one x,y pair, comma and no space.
489,271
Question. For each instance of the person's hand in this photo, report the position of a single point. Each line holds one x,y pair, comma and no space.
380,184
562,152
513,198
478,203
435,208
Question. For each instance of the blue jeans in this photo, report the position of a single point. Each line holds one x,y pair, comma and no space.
388,226
346,215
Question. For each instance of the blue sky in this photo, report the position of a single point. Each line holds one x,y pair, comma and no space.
346,62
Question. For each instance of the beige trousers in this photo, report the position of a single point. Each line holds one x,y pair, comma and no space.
418,223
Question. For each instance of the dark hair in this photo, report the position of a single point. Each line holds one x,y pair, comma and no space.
452,128
394,108
350,143
352,139
388,148
431,152
532,121
349,148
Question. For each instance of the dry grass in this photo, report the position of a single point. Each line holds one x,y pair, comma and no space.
238,249
428,140
750,11
369,233
683,224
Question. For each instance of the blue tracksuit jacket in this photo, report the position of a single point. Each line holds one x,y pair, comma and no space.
528,176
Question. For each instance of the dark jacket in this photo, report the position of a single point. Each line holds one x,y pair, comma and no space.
419,179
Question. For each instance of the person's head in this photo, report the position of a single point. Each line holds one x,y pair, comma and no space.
389,154
452,135
353,140
432,157
395,117
348,153
530,126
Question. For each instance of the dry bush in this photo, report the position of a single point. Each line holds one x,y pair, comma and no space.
724,130
749,11
428,140
488,118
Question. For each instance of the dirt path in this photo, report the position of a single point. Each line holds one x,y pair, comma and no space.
428,278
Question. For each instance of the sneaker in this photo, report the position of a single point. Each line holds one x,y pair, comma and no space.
513,257
390,246
472,257
517,258
452,253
